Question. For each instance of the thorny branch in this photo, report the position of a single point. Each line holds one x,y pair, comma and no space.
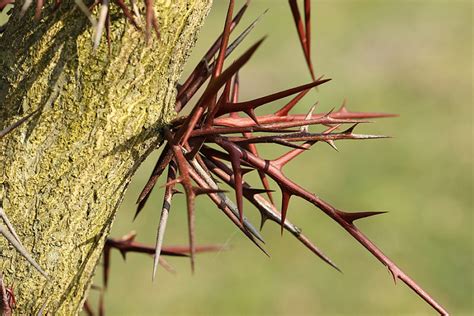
203,144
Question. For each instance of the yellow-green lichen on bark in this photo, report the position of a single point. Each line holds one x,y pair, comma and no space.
64,172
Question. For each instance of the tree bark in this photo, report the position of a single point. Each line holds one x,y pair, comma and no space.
64,172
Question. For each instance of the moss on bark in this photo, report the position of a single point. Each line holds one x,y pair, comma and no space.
64,172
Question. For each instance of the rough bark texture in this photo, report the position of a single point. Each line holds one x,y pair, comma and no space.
64,172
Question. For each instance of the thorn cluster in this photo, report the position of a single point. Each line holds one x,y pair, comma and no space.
127,244
218,140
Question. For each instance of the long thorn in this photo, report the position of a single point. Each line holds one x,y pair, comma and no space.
10,128
19,247
164,217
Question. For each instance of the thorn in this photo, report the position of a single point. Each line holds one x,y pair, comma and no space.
200,191
307,18
202,71
235,89
254,191
176,191
290,105
223,202
106,256
167,198
246,170
253,104
219,64
10,128
128,14
38,9
331,143
305,128
351,217
183,168
21,250
263,219
99,29
329,113
25,7
163,161
213,87
243,35
303,37
235,161
305,241
167,266
101,304
87,308
140,207
285,195
288,144
9,225
150,19
251,114
343,108
41,311
332,129
81,5
230,71
350,129
393,274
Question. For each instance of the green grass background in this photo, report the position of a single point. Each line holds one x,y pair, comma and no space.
413,58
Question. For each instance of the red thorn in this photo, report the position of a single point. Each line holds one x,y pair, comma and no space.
101,304
307,19
303,37
128,14
254,191
211,90
140,206
253,104
235,161
38,9
87,309
351,217
251,114
235,88
290,105
225,40
288,144
350,129
246,170
329,113
343,108
106,256
202,70
163,160
285,195
151,21
201,191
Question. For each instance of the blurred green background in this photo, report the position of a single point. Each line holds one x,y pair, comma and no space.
413,58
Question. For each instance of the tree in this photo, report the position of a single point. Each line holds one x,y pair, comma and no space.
96,117
95,114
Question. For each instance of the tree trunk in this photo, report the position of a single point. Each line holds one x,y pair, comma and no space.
64,172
